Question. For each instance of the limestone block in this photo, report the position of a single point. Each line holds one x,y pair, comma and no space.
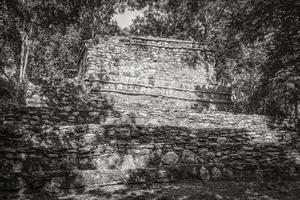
216,174
17,166
141,161
170,158
109,161
128,163
228,173
204,174
156,154
188,157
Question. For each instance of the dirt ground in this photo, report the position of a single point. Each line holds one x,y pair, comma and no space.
190,190
184,190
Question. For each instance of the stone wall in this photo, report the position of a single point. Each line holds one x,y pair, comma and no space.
140,74
155,73
55,149
134,121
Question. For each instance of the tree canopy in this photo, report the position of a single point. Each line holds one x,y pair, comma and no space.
43,39
255,42
256,46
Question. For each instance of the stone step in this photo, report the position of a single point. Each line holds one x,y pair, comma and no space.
75,179
35,116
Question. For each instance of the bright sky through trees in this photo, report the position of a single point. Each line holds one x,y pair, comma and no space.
125,19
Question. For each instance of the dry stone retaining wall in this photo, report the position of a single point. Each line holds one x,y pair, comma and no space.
140,122
77,154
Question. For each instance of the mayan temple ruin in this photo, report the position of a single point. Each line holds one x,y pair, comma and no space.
153,113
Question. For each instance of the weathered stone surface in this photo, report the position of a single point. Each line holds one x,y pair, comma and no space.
216,174
204,174
188,156
86,164
178,87
128,163
17,166
142,161
228,173
109,162
259,174
144,121
170,158
11,183
157,153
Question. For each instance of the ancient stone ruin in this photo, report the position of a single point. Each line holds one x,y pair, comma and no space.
153,112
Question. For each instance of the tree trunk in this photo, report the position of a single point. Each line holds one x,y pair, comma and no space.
26,43
22,59
297,123
26,59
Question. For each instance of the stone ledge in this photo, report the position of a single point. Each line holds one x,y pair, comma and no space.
166,40
97,77
168,88
166,46
88,178
161,96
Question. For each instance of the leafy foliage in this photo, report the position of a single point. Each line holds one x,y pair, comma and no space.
43,39
54,55
276,23
256,45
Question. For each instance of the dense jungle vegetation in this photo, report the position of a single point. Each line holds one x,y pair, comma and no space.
256,43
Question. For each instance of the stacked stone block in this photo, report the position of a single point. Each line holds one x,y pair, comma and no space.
151,114
153,72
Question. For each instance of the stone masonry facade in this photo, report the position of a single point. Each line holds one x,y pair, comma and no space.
154,114
153,73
